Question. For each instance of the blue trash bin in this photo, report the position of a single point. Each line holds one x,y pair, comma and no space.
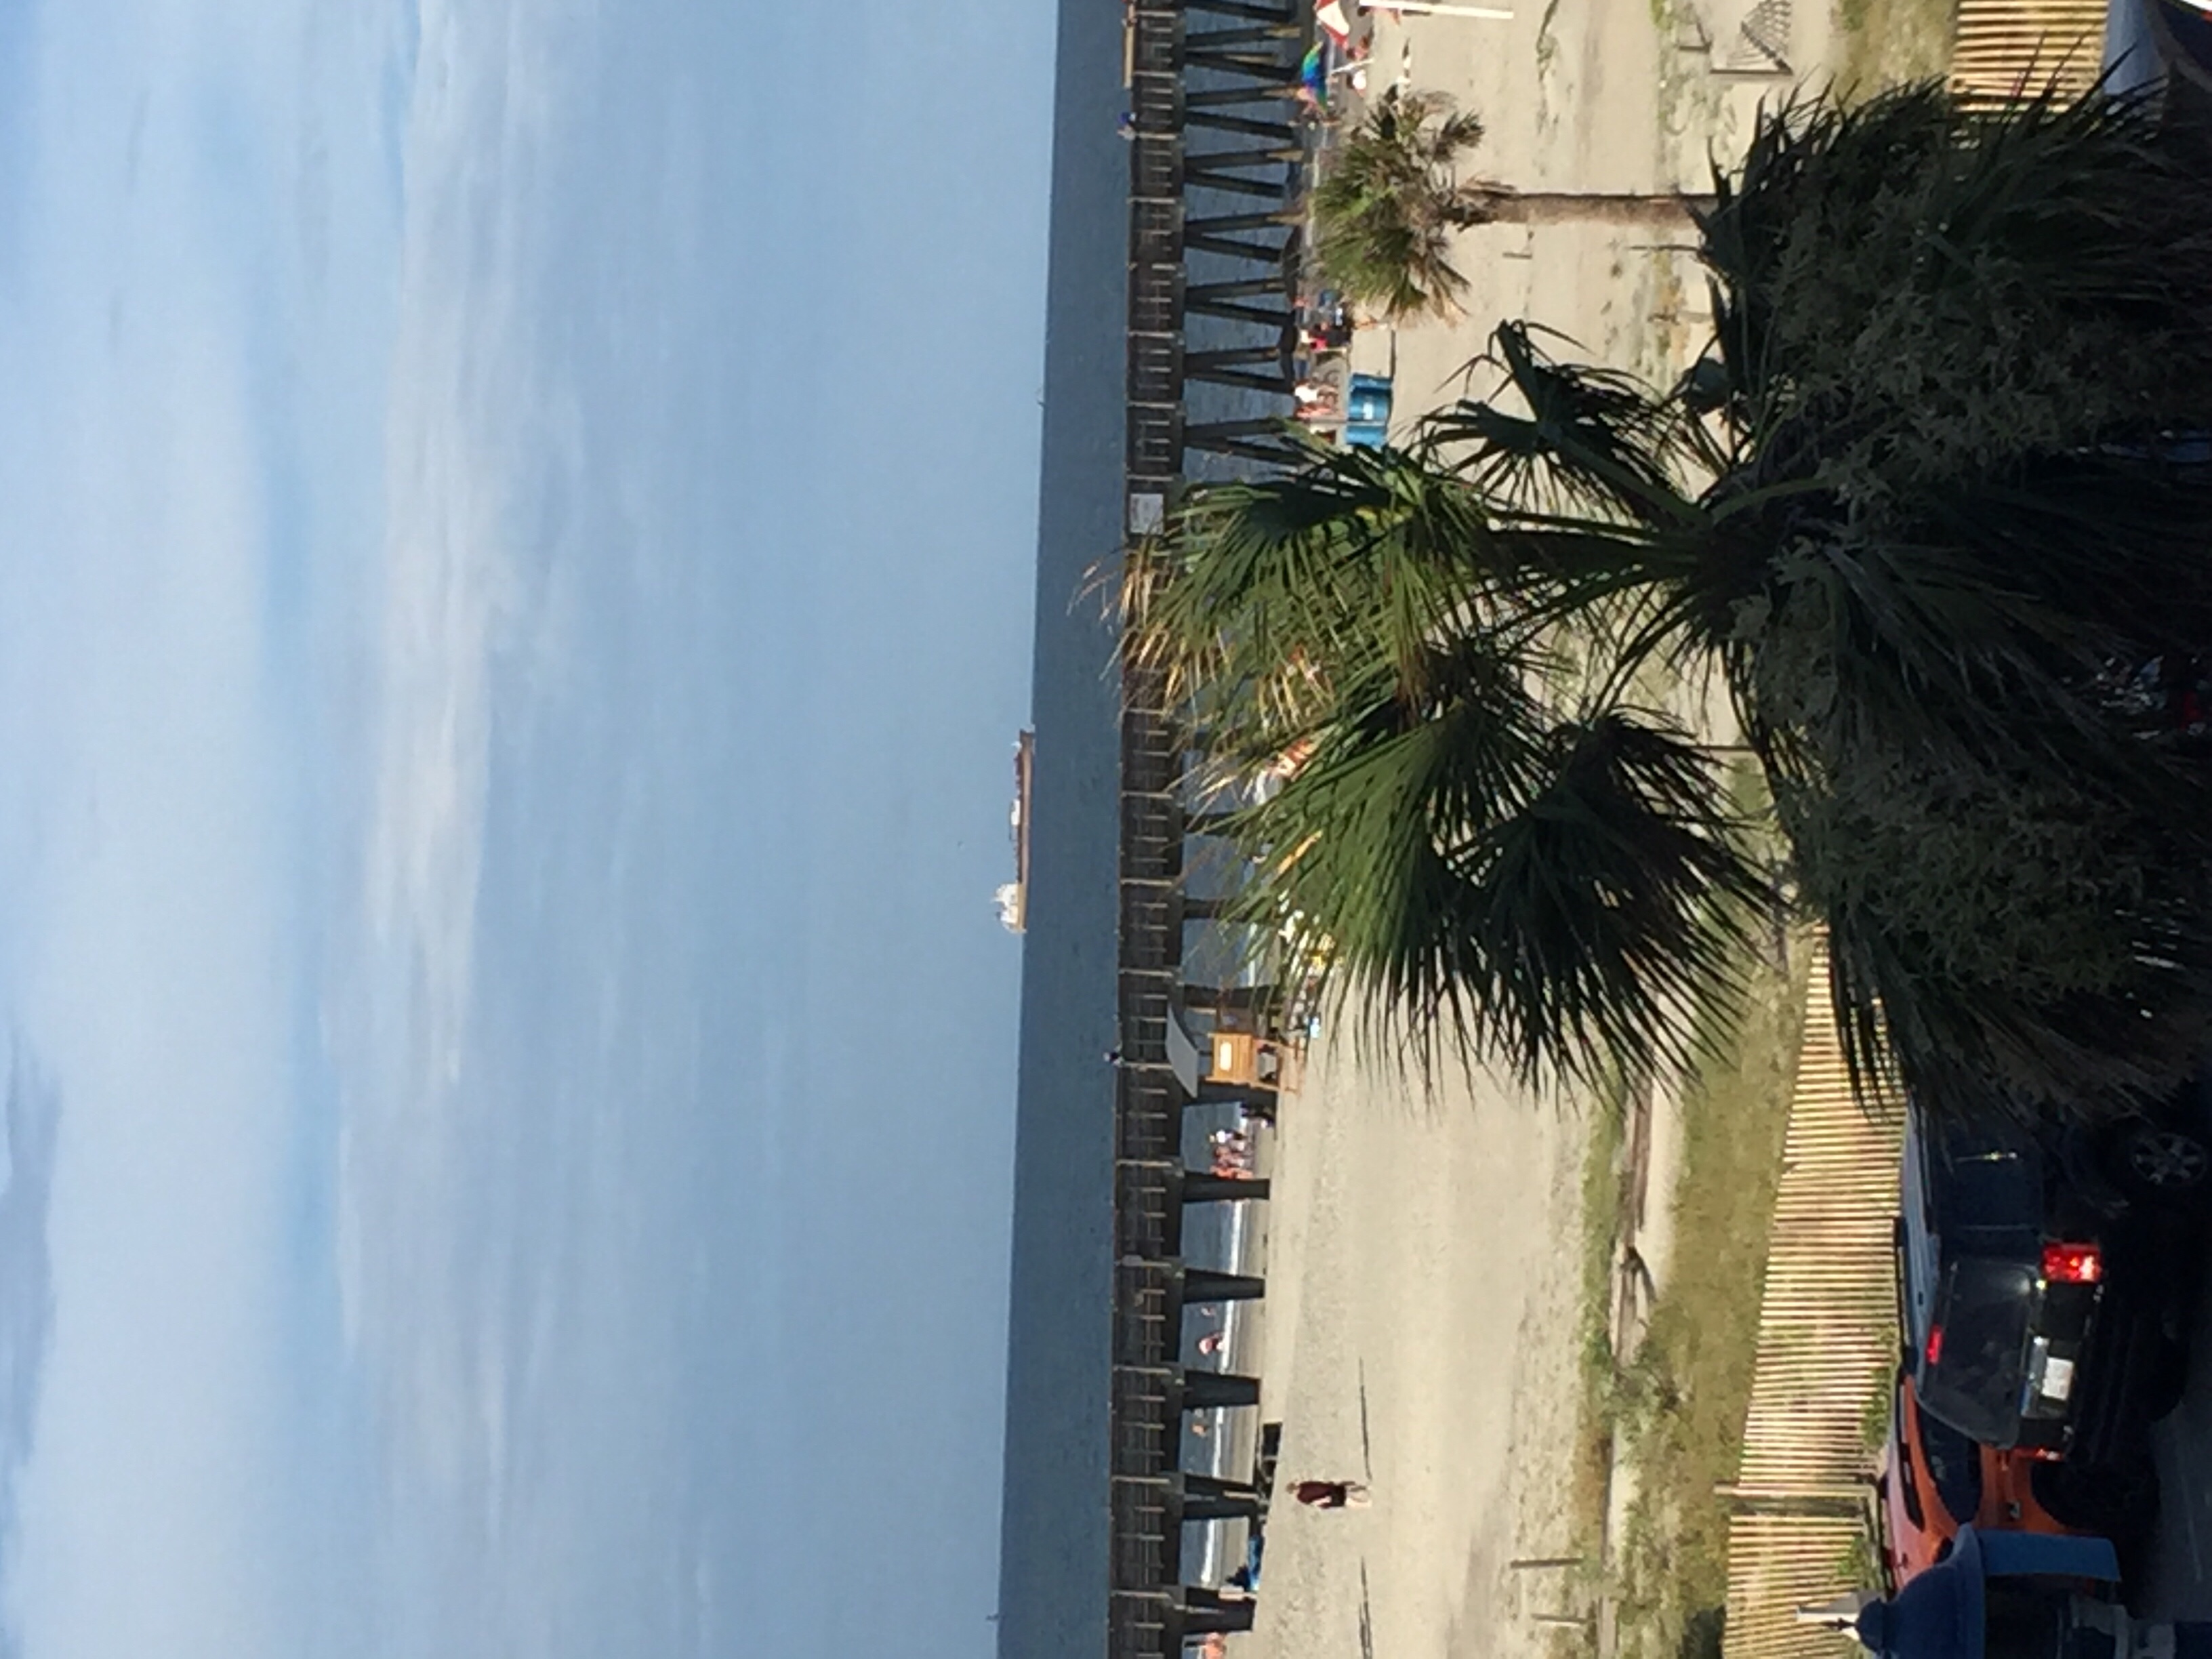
1364,434
1368,399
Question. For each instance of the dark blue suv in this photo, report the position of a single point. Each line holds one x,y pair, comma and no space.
2169,41
2046,1281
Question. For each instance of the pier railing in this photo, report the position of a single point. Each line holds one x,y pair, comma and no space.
1215,179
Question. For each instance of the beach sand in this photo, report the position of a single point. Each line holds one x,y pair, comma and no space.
1425,1313
1599,95
1423,1320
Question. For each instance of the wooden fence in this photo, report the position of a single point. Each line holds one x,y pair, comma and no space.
1827,1320
1827,1342
2002,45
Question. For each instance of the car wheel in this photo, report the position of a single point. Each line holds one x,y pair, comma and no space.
2169,1380
2164,1165
2113,1501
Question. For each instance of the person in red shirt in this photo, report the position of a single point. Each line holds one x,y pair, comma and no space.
1332,1494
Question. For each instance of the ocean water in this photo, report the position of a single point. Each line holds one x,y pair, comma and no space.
1054,1551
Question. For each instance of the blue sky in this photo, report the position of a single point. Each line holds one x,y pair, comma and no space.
516,566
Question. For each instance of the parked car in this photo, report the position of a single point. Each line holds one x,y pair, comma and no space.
1933,1481
2012,1595
2165,45
2045,1286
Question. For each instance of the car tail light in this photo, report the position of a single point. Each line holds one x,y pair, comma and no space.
2073,1264
1936,1345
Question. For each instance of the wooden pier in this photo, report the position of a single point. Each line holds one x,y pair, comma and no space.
1216,172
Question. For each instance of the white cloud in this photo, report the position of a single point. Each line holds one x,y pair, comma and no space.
462,422
27,1291
163,498
416,768
158,991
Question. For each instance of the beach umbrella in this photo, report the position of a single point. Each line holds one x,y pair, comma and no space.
1329,13
1312,76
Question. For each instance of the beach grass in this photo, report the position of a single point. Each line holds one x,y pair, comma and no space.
1681,1402
1673,1415
1597,1413
1601,1202
1881,43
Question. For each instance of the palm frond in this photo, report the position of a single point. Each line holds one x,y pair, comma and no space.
1558,437
1485,883
1262,590
1387,205
2032,277
1940,479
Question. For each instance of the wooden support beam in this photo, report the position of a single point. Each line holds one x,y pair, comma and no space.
1244,34
1226,1506
1208,1390
1229,999
1262,10
1282,132
1205,1611
1218,1486
1209,1284
1202,1187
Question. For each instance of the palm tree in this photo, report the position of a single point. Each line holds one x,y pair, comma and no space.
1389,204
1919,502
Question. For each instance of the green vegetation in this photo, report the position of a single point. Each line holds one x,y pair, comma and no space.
1388,205
1686,1391
1888,43
1675,1414
1390,201
1603,1178
1918,511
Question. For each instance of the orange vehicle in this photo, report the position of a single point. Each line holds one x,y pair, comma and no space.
1934,1480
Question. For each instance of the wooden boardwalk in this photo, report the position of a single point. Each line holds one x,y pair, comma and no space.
1827,1347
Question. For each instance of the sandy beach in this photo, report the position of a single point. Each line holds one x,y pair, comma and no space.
1581,95
1425,1317
1423,1325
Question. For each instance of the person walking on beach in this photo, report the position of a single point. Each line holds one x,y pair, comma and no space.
1332,1494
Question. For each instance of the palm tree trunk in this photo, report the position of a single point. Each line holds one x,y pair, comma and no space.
1670,211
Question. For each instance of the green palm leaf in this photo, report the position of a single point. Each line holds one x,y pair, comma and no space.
1388,202
1484,882
1938,488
